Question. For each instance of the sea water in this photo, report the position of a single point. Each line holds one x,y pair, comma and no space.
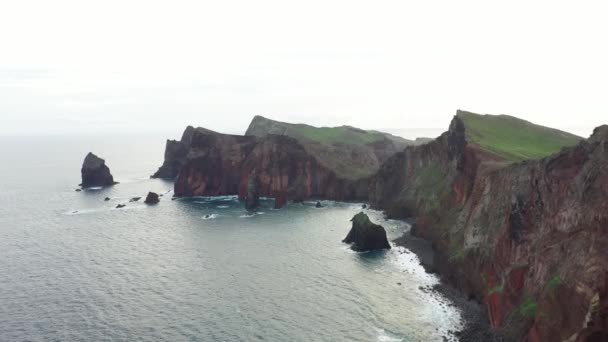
73,267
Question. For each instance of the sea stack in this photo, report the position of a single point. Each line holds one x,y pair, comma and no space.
252,200
152,198
366,235
95,172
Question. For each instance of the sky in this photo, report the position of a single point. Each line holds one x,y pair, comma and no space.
96,67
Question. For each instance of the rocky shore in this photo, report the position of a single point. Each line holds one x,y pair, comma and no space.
516,212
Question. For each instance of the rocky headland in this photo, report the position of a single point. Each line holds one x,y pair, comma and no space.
517,213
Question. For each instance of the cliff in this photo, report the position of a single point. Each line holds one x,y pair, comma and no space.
222,164
175,155
348,151
526,237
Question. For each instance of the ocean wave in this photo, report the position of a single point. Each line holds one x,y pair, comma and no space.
384,336
209,216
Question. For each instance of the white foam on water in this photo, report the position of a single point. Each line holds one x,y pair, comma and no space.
384,336
223,206
209,217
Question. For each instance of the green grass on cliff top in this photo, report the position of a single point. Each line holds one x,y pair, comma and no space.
514,139
343,135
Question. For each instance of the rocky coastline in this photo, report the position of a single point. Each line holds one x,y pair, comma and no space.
525,238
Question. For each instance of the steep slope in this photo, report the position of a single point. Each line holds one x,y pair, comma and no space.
529,239
350,152
513,139
222,164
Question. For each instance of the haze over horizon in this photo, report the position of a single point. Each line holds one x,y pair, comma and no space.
119,67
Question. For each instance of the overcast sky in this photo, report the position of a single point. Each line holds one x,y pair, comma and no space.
144,66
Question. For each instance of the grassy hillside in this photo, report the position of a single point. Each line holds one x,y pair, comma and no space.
514,139
351,152
325,135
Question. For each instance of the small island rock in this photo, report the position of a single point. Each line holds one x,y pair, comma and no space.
366,235
252,201
152,198
95,172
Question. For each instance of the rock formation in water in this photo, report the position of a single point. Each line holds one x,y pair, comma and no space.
152,198
527,237
175,155
222,164
95,173
252,197
366,235
296,161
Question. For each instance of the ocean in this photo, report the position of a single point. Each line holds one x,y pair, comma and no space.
75,268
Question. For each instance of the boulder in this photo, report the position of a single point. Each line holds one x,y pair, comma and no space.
94,172
252,200
366,235
106,199
152,198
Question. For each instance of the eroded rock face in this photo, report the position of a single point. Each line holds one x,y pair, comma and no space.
366,235
152,198
529,239
94,172
252,199
175,155
222,164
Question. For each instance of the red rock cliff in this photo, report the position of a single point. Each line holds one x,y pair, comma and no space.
221,164
529,239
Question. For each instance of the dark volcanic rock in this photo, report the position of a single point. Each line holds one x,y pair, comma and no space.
152,198
95,172
175,155
366,235
252,200
222,164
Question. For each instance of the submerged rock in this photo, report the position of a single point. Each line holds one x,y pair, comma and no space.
152,198
134,199
366,235
120,206
106,199
252,201
94,172
364,206
280,200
